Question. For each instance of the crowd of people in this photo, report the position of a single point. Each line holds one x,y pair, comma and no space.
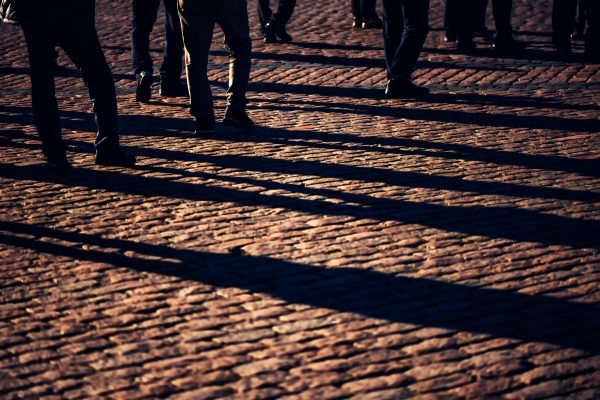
189,28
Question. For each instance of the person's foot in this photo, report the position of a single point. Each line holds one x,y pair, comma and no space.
372,23
173,88
284,36
237,118
509,45
404,90
356,22
579,36
205,125
450,36
114,156
143,91
58,164
483,32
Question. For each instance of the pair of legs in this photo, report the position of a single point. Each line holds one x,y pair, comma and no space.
563,23
198,19
405,27
70,25
364,14
272,25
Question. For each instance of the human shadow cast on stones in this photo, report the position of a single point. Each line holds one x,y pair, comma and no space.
394,298
522,225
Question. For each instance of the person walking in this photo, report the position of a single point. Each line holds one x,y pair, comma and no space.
144,17
563,23
198,19
272,25
405,27
69,24
364,15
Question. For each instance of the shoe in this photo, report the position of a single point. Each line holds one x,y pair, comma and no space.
397,90
269,34
465,46
372,23
115,157
237,118
173,88
284,36
450,36
205,125
356,22
58,164
508,45
579,36
483,32
143,90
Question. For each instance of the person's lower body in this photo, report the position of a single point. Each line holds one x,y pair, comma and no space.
504,40
76,34
563,21
459,22
364,15
144,17
592,34
273,25
579,27
405,27
197,23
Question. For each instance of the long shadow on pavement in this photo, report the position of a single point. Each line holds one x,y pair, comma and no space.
419,301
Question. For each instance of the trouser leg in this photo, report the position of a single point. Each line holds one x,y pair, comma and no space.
264,12
40,46
284,12
415,15
479,14
502,10
368,9
233,19
80,41
563,16
173,53
592,34
144,17
197,25
452,15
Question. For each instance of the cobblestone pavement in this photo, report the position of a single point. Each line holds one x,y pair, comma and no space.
352,247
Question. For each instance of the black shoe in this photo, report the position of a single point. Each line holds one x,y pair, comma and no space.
269,34
356,22
115,157
579,36
450,36
372,23
205,125
465,46
284,36
397,90
508,45
143,90
237,118
172,88
58,164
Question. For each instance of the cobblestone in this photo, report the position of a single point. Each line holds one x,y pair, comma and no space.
351,247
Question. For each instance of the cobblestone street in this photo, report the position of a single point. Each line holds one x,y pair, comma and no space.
351,247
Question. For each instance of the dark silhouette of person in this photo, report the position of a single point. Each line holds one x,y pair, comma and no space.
504,40
405,27
272,25
69,24
144,17
563,24
198,19
579,30
364,15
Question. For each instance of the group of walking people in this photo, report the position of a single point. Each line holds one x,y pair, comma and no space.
70,24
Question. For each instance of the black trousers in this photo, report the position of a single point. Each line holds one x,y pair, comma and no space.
364,9
563,22
405,27
502,10
144,17
198,19
280,18
462,16
69,24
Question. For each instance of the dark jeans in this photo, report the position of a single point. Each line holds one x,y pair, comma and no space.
280,18
502,10
405,27
198,19
463,16
364,9
69,24
144,17
563,22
